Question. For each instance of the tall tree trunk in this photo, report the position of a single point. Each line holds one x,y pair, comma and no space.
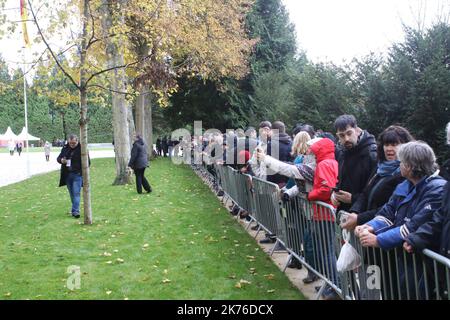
83,122
143,116
64,125
122,117
140,112
147,97
130,120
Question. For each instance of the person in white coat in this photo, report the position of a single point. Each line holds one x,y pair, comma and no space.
11,147
47,149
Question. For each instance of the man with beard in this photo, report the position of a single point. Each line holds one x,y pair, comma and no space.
357,157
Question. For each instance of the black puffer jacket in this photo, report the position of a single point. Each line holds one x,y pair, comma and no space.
284,144
435,234
374,196
139,155
356,166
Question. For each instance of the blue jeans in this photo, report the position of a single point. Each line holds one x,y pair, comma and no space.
308,244
74,183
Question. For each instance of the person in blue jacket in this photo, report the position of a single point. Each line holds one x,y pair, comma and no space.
412,204
435,234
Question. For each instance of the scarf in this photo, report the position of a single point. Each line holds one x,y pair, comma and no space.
388,168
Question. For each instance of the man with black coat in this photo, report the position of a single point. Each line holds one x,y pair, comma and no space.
138,162
357,158
279,146
165,146
71,172
158,146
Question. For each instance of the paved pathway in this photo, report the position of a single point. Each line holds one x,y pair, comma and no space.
14,168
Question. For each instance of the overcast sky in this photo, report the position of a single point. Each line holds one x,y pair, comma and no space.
328,30
333,30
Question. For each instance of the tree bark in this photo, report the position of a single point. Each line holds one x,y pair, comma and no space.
144,116
131,126
83,122
64,125
140,112
148,121
122,117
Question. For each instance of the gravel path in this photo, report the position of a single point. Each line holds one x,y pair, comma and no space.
14,168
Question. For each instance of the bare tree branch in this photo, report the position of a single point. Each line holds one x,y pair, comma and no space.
114,68
107,89
93,26
40,58
32,67
50,49
115,91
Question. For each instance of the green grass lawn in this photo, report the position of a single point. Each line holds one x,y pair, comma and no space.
175,243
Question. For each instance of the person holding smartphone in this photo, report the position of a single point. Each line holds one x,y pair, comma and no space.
356,154
71,172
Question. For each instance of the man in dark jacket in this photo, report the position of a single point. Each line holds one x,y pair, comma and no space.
158,146
279,146
71,172
165,146
138,162
357,158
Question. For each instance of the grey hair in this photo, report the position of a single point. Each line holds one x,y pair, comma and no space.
419,156
73,136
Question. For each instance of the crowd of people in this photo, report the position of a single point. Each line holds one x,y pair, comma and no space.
165,146
390,191
14,146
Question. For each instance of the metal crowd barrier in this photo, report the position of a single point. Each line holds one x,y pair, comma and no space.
311,234
268,205
397,275
312,237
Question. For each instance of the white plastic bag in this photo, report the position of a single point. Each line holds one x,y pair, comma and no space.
349,259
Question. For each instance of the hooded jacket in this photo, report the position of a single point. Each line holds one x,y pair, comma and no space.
325,176
139,156
356,166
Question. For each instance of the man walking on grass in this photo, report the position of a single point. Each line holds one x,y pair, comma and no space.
71,172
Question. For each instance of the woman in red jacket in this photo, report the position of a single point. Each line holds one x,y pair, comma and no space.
325,178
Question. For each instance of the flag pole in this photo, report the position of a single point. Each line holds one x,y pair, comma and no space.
26,111
24,18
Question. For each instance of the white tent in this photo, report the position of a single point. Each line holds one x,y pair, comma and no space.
23,136
9,135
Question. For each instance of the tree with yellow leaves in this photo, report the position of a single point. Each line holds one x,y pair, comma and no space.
148,43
